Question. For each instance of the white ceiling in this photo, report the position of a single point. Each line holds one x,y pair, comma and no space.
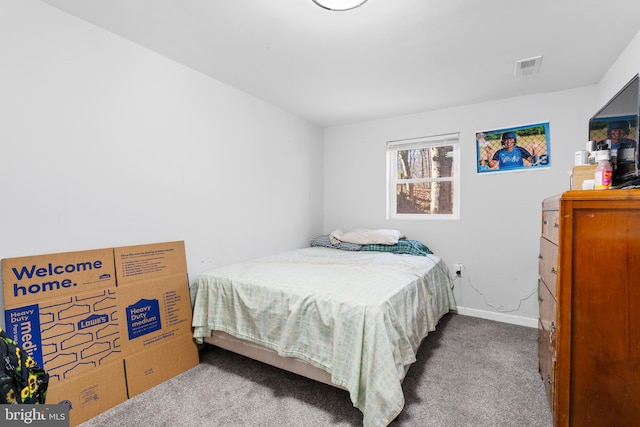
386,58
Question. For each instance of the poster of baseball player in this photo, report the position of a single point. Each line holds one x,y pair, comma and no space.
513,149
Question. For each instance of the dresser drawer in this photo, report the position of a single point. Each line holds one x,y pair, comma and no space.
550,225
546,367
548,264
548,311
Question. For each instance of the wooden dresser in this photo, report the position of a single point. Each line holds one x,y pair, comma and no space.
589,293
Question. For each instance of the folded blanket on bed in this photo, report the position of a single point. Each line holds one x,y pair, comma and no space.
325,241
404,246
364,236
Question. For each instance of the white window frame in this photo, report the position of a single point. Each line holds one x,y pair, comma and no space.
453,140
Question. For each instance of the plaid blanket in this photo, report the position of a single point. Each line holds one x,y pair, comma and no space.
404,246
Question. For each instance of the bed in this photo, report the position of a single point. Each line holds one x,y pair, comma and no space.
350,318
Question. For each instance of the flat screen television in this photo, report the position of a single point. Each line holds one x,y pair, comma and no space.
615,128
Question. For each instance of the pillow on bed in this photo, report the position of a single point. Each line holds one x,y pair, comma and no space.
325,242
404,246
366,236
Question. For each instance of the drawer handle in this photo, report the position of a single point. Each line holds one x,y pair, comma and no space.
553,270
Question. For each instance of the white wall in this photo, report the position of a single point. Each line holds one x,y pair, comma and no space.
497,237
621,72
104,143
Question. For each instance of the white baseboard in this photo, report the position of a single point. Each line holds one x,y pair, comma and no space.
499,317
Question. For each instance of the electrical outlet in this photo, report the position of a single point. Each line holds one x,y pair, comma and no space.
459,268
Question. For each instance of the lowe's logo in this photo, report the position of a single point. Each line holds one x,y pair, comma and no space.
93,320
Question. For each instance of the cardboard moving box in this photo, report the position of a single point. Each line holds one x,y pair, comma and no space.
149,262
108,319
154,311
61,309
581,173
154,366
153,298
35,278
91,393
70,335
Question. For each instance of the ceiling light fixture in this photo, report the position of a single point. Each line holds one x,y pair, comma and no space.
339,5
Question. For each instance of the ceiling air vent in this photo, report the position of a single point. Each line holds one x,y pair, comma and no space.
526,67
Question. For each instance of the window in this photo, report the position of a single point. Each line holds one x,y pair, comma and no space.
423,178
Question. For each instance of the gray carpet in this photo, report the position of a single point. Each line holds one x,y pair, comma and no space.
470,372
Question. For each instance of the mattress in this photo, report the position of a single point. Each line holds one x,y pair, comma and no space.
360,316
